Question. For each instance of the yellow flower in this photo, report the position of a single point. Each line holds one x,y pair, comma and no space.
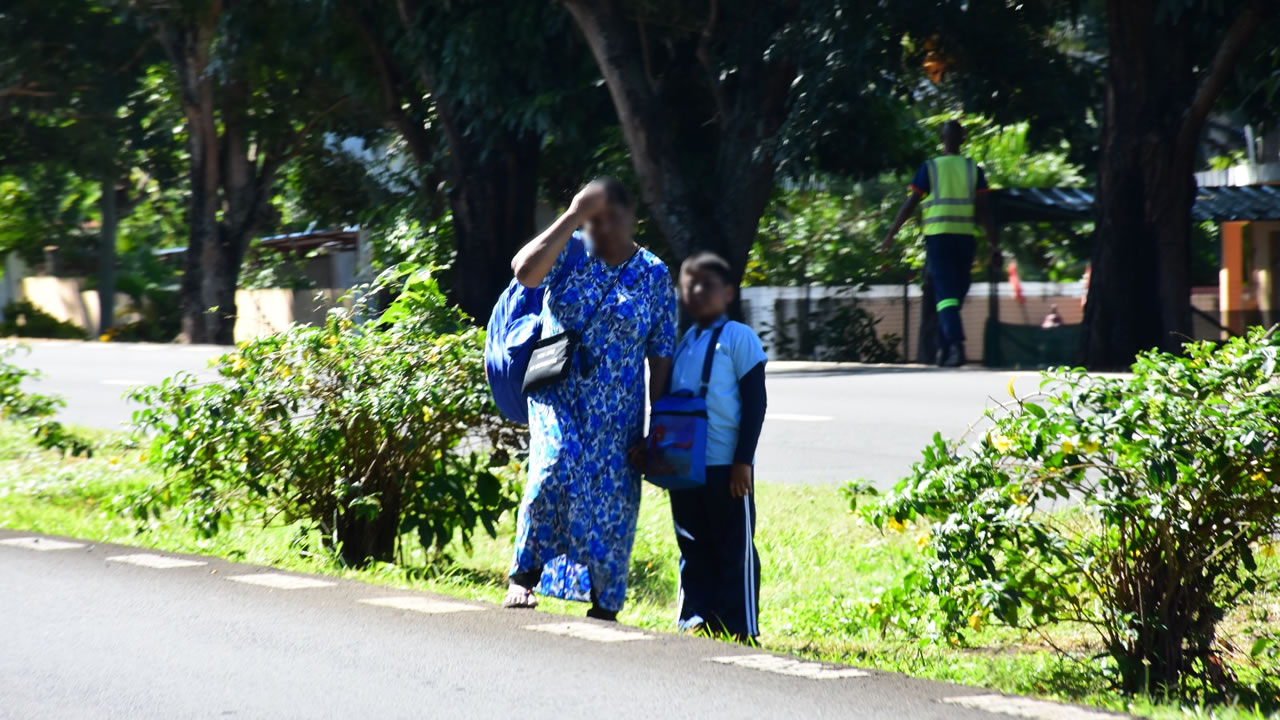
895,524
923,540
284,371
1021,499
426,414
1269,550
1012,394
142,457
1258,477
975,621
190,434
1068,447
104,337
238,363
114,460
1001,443
1090,446
330,340
264,438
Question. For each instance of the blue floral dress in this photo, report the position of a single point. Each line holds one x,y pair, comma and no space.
577,520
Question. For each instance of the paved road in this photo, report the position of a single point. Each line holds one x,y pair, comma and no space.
88,637
827,423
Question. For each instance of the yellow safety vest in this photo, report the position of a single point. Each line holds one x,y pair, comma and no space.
949,208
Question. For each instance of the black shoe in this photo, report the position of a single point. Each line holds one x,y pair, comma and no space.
955,356
599,613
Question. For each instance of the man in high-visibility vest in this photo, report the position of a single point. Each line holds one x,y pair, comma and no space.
953,190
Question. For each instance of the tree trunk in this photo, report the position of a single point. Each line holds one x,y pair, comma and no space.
107,255
493,195
694,209
365,539
230,182
1140,291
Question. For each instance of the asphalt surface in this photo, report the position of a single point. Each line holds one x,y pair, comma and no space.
84,637
826,423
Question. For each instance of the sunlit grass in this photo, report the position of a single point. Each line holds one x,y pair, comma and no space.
821,565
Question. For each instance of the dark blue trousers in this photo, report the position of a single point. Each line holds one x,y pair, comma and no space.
949,262
719,565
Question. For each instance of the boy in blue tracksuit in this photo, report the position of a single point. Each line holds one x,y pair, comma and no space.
715,523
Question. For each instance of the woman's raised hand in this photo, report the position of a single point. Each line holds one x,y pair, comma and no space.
589,201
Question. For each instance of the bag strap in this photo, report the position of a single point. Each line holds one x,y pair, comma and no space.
710,360
586,321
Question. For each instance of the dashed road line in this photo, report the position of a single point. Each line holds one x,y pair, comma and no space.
158,562
589,631
40,544
420,604
1028,708
789,666
279,581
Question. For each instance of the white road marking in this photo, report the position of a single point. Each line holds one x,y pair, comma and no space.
1027,708
422,604
797,418
124,383
280,581
588,631
158,562
41,544
788,666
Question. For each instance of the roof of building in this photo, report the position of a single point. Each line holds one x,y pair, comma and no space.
311,239
1065,204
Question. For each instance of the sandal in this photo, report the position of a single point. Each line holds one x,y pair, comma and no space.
519,598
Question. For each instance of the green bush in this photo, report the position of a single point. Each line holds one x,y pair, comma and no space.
1134,507
35,410
22,319
362,432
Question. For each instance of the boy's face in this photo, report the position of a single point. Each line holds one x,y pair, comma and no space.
704,294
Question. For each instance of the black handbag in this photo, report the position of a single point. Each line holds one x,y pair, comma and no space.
552,358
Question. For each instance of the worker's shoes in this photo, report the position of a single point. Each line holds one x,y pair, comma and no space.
954,356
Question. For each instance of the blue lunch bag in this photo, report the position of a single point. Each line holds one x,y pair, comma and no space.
676,455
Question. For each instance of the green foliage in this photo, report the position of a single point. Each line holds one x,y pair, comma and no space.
22,319
36,411
1134,507
830,238
362,432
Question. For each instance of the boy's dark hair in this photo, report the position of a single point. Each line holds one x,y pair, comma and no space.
710,262
615,191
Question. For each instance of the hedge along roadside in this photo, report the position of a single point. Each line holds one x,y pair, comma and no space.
1170,482
362,432
34,410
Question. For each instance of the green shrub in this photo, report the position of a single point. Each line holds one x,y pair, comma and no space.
1135,507
363,432
35,410
22,319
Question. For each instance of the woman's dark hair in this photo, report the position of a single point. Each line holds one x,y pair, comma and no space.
710,262
615,191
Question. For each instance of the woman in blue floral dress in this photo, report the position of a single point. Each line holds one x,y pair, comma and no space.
577,521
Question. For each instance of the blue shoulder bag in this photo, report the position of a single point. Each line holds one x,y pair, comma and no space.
676,456
513,331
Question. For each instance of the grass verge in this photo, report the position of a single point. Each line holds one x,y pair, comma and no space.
821,564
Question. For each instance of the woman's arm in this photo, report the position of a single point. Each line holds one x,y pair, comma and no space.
536,258
659,377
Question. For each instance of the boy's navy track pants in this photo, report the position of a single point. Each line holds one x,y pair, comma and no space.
719,565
